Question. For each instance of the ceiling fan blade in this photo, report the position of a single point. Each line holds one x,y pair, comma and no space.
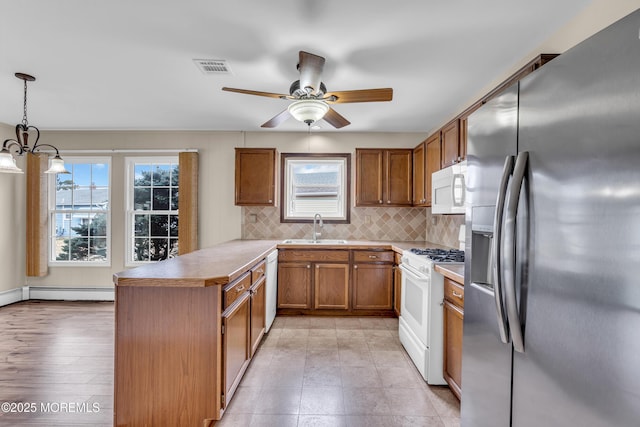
310,67
255,92
277,120
335,119
364,95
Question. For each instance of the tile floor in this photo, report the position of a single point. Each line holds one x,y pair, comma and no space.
308,371
337,372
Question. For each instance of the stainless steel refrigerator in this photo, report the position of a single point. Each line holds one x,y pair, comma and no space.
552,272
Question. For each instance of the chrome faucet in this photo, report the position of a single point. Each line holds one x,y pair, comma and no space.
316,234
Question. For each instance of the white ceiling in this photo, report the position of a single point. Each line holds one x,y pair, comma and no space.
127,64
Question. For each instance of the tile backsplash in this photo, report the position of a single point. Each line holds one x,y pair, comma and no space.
392,224
443,229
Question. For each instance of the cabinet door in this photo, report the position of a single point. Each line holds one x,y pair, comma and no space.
369,173
463,139
450,144
419,175
433,163
294,285
235,345
398,177
397,289
372,286
331,286
258,313
255,176
453,321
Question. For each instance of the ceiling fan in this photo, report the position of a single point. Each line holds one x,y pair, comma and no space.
311,101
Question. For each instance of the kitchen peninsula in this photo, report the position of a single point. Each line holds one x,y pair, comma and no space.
184,333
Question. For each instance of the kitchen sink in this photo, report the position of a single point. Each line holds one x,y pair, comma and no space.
314,242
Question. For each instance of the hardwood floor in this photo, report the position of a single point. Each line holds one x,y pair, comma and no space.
57,370
57,364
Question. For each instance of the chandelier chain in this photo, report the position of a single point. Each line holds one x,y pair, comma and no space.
25,123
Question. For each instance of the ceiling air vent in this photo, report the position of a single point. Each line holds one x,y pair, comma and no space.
213,66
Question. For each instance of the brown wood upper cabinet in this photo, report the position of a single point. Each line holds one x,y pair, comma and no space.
383,177
427,158
255,176
419,164
453,145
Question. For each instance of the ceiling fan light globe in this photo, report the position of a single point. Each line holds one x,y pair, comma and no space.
308,110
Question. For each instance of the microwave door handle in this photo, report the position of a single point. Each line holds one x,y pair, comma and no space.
510,252
496,249
458,202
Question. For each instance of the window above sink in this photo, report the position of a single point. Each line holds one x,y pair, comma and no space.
315,183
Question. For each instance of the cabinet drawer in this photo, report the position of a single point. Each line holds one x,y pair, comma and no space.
298,255
398,258
373,256
454,292
258,271
234,290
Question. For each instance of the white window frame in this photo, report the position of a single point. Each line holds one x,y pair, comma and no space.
288,211
130,163
69,212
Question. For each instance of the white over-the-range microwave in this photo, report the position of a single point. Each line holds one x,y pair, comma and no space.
448,191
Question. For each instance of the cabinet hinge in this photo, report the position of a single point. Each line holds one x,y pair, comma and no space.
222,400
223,329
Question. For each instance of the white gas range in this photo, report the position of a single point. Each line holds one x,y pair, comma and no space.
421,308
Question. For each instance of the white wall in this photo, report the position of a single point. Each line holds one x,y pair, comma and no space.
13,234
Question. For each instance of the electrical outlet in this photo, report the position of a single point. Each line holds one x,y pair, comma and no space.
434,220
367,219
253,218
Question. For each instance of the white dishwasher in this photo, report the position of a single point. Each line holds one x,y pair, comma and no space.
272,288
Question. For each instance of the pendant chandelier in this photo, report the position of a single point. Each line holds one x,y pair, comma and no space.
21,143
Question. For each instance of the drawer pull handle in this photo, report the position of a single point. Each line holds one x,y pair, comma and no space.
240,289
260,271
457,295
373,256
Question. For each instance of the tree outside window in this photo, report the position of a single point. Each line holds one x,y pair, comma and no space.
80,212
153,213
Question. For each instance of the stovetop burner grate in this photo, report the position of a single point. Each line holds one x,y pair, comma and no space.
441,255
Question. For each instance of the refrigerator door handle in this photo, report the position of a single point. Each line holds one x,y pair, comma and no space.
510,252
496,250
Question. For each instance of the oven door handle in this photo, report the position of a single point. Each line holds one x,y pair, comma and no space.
412,273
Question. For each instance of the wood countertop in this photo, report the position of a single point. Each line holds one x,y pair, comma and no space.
453,272
223,263
217,265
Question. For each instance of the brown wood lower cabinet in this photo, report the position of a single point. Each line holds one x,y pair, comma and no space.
236,351
258,312
294,285
331,286
335,281
372,286
453,324
397,284
183,344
